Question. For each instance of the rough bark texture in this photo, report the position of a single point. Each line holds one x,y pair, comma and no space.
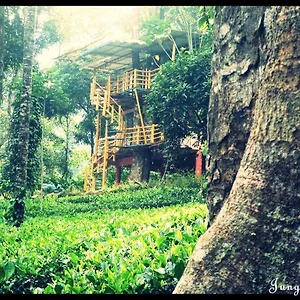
140,168
255,238
24,113
235,87
1,51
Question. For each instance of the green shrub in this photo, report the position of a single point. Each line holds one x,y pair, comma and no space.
133,251
127,240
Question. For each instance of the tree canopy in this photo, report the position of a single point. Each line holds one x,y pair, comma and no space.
178,100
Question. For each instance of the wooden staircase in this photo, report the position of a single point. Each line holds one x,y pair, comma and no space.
110,112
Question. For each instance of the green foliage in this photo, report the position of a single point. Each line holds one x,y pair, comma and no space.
153,29
204,148
206,19
74,82
111,175
47,35
178,100
85,129
109,243
13,58
131,198
53,148
35,135
13,40
4,125
190,19
67,96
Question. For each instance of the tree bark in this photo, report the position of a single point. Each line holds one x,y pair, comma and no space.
253,241
235,87
11,93
66,170
24,114
140,168
1,52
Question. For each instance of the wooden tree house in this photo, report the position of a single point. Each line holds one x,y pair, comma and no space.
122,132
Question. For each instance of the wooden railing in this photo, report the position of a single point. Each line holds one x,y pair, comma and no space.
132,79
107,147
101,98
130,137
136,135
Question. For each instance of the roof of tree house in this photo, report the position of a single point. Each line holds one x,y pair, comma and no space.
116,56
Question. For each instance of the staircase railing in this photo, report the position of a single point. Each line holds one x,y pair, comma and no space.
107,147
132,79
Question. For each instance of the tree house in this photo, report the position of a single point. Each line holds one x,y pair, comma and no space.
124,137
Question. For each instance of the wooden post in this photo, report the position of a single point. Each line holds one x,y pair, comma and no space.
119,118
92,163
134,78
93,87
138,135
152,133
108,87
198,167
92,94
149,78
104,103
112,113
140,114
125,81
118,175
105,156
93,184
96,144
98,100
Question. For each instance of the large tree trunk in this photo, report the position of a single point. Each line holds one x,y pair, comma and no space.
24,113
235,85
140,168
11,93
1,51
253,243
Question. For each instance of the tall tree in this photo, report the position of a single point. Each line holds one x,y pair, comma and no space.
178,100
13,52
20,153
252,245
70,90
1,50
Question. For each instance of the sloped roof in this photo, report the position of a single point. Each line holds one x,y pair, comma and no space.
113,55
116,55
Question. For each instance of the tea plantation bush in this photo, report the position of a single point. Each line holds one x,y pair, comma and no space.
126,242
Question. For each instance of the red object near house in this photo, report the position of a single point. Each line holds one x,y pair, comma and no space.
198,167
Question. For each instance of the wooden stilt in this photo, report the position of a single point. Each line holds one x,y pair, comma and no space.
105,156
118,175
